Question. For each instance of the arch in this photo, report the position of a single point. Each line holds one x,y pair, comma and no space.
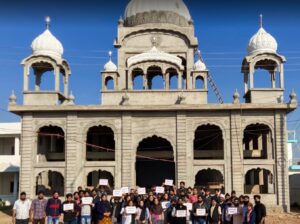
94,177
259,181
155,78
199,82
109,83
154,155
138,79
210,178
257,142
50,181
208,142
51,144
100,144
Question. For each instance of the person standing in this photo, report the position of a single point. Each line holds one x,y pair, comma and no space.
143,214
237,218
53,209
199,219
126,217
103,208
70,210
260,210
21,210
86,210
180,207
38,209
215,212
157,213
96,198
250,215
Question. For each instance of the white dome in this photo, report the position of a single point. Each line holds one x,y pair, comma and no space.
46,44
262,42
154,55
199,66
136,7
110,67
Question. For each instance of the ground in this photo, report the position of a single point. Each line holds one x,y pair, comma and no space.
273,218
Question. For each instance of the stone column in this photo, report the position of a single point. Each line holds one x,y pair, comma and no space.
251,80
179,81
181,152
72,158
17,146
128,155
273,79
245,82
56,75
38,77
167,81
26,79
66,85
281,76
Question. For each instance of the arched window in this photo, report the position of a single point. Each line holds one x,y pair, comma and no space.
42,77
51,144
109,83
50,181
259,181
199,82
100,144
94,177
266,74
208,142
138,79
210,178
155,78
257,142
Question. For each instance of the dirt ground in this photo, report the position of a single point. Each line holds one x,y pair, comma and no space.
273,218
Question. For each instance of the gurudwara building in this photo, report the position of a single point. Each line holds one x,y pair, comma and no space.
154,121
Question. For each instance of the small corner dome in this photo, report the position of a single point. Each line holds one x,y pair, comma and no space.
199,66
110,67
48,45
262,42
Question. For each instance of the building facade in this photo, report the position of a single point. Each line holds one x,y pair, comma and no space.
154,121
10,134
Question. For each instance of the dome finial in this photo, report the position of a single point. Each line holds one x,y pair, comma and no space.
261,20
48,21
110,55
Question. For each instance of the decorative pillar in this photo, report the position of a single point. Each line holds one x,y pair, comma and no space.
179,81
251,80
56,74
26,77
17,146
38,76
167,81
273,79
66,85
246,82
281,76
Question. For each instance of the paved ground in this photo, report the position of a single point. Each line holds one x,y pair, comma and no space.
273,218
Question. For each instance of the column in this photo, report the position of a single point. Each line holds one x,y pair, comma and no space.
273,79
180,81
17,146
38,76
145,78
167,81
181,152
246,82
251,80
281,76
26,77
66,85
56,74
128,153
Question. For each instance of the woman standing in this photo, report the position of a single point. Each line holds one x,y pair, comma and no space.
180,207
126,217
143,214
104,211
157,213
250,217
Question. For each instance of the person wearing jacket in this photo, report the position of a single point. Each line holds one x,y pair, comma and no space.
250,215
53,209
215,212
70,215
180,207
197,219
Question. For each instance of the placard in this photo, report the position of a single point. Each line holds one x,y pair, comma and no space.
232,210
103,182
180,213
68,207
141,190
117,193
130,210
159,190
168,182
125,190
200,211
189,206
165,204
86,200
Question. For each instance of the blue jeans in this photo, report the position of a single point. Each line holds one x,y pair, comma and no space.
86,219
53,220
200,221
71,222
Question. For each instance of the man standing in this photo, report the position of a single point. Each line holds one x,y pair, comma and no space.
53,209
38,209
198,216
70,210
260,210
215,212
21,210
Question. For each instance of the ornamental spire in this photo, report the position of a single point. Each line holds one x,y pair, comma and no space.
261,21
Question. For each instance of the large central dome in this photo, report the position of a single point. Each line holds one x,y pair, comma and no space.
140,12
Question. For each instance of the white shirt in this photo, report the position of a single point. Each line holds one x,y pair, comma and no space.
22,209
126,218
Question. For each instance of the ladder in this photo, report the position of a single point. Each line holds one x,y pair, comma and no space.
211,81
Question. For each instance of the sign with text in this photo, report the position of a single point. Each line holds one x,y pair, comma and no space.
165,204
125,190
168,182
87,200
181,213
160,190
130,210
68,207
232,210
141,190
103,182
189,206
200,211
117,193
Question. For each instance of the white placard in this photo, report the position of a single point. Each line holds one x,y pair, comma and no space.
68,207
87,200
180,213
130,210
159,190
103,182
168,182
141,190
117,193
125,190
189,206
165,204
200,211
232,210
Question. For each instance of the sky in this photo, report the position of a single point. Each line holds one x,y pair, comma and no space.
87,29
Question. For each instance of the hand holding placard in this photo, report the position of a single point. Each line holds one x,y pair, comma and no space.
103,182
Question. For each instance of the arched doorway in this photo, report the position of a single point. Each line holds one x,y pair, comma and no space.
154,162
50,181
210,179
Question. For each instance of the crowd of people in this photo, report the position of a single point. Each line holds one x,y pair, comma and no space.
171,206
